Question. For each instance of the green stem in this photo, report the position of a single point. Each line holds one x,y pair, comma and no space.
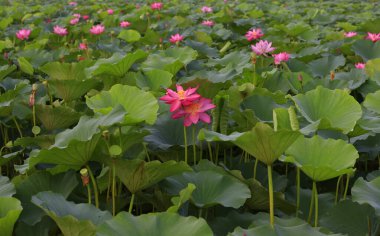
337,189
200,150
316,204
346,189
109,184
286,66
185,139
255,168
194,146
89,193
146,151
131,203
34,116
17,126
113,188
210,150
298,190
254,74
93,180
311,206
270,189
200,212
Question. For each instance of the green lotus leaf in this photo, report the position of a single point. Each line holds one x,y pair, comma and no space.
66,71
25,66
63,184
117,65
72,219
342,112
184,196
155,80
129,36
138,174
140,106
371,102
7,99
323,66
71,89
322,159
10,209
7,189
366,49
43,141
154,224
264,143
237,60
372,69
6,70
56,117
210,136
367,192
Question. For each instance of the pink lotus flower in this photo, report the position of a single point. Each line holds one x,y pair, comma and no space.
209,23
206,9
77,15
282,56
181,97
156,5
74,21
86,17
124,24
73,4
195,111
254,34
350,34
360,65
97,29
176,38
23,34
262,47
373,37
60,30
110,11
83,46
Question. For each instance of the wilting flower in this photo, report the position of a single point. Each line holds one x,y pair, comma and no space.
181,97
124,24
209,23
350,34
176,38
74,21
254,34
282,56
206,9
83,46
156,5
373,37
73,4
262,47
23,34
360,65
110,11
195,111
86,17
97,29
60,30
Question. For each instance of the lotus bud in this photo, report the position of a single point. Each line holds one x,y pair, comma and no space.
84,176
106,134
34,87
253,58
332,75
45,82
300,78
32,99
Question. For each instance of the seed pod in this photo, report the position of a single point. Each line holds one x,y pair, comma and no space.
84,176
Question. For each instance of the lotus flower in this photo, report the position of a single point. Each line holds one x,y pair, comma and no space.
209,23
83,46
77,15
195,111
124,24
360,65
206,9
156,5
254,34
23,34
86,17
176,38
74,21
282,56
373,37
350,34
262,47
60,30
181,97
110,11
73,4
97,29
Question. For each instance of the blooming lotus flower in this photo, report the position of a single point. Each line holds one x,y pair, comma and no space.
176,38
110,11
373,37
195,111
74,21
262,47
60,30
350,34
282,56
360,65
97,29
254,34
181,97
83,46
86,17
209,23
77,15
124,24
206,9
156,5
23,34
73,4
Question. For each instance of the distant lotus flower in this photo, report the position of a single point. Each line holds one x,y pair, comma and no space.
124,24
181,97
195,111
176,38
350,34
262,47
86,17
209,23
23,34
254,34
110,11
282,56
156,5
73,4
77,15
206,9
74,21
97,29
83,46
60,30
373,37
360,65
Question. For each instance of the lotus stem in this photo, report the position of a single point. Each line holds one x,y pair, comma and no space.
93,180
255,168
200,212
113,188
311,206
346,189
89,193
316,203
194,146
337,189
109,185
185,139
210,151
131,203
270,189
34,116
298,176
17,126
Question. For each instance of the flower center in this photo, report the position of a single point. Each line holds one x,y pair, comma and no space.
193,108
181,94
